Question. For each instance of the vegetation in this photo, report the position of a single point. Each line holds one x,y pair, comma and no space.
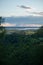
21,49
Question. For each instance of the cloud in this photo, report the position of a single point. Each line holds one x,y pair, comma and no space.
38,13
8,24
30,25
24,7
21,25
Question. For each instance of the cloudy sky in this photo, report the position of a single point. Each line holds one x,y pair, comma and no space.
21,7
18,8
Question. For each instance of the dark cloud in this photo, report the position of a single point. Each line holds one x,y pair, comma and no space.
24,20
39,13
24,7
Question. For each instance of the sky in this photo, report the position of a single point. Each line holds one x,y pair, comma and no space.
21,8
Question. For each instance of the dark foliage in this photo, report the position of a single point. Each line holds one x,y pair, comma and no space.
18,49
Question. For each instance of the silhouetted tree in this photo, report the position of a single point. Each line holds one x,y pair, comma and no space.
2,29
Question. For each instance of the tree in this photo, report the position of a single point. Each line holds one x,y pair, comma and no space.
2,29
1,21
40,32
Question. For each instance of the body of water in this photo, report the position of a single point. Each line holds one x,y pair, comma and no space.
21,28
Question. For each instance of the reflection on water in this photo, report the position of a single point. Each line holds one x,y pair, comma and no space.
21,28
